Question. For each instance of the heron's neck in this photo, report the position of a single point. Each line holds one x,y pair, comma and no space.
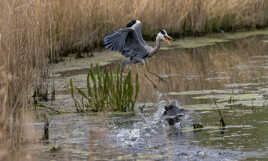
157,46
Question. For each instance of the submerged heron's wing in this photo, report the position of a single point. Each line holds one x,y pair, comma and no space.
126,41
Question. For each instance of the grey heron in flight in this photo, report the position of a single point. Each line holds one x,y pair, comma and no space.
130,43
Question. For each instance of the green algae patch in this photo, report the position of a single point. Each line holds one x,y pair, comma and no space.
206,107
243,35
226,97
78,132
164,76
142,156
200,42
191,129
251,103
80,153
213,128
263,89
71,64
225,101
193,42
120,114
125,157
200,92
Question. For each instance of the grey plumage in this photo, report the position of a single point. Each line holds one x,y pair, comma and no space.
130,43
173,114
137,28
127,42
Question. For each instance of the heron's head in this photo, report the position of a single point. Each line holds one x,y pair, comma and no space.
164,36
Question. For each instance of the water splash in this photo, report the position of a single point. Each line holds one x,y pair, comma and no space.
153,135
149,128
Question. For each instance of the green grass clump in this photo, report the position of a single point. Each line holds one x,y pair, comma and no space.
107,91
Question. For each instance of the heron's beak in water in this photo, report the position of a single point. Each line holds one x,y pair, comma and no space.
167,38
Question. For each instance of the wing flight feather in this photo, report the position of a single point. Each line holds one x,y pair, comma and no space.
126,41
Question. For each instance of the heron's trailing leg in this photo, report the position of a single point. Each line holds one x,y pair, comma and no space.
156,75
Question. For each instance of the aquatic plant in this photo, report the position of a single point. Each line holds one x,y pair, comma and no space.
106,91
197,126
222,122
46,128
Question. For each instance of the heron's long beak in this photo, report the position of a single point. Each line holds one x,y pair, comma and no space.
167,38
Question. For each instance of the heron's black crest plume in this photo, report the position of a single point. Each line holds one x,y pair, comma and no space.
131,23
163,32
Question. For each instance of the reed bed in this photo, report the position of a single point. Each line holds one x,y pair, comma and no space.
22,58
64,26
82,26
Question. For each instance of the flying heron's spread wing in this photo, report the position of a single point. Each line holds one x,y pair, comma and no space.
137,28
116,40
127,42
